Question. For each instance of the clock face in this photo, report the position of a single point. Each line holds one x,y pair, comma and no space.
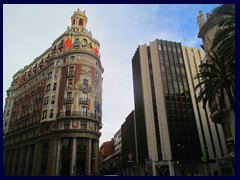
84,42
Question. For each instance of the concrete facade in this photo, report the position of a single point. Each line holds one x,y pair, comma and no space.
53,108
167,135
211,134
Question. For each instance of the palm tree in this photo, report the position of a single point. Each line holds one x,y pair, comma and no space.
224,39
217,76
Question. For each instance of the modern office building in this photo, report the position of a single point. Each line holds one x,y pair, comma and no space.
211,134
167,130
129,146
53,111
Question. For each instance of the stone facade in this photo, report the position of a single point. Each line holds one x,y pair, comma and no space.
225,117
53,112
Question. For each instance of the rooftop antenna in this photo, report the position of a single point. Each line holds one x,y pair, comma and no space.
184,41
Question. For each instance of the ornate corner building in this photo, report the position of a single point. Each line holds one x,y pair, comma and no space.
223,116
52,114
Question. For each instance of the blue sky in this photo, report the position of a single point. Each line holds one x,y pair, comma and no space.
28,30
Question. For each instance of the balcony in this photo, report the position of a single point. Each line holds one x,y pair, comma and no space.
83,101
78,114
68,100
70,73
85,87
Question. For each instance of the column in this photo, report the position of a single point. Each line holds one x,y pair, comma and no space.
14,162
58,162
88,160
5,157
37,159
20,163
73,157
27,160
9,163
52,157
96,163
171,168
154,168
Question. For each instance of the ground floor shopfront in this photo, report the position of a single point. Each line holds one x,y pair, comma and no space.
58,155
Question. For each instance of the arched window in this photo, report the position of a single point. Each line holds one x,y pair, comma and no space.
76,41
80,21
84,43
73,22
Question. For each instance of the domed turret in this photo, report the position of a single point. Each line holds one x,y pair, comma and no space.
79,19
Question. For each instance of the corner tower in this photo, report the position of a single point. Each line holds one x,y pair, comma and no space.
79,20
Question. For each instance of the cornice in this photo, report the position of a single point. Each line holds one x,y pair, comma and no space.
208,25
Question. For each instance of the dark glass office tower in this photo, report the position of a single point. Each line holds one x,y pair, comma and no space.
167,133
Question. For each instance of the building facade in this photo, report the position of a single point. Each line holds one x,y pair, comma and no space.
166,127
53,111
113,162
211,134
226,117
129,146
106,149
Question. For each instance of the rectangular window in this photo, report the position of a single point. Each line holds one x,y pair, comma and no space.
49,75
70,82
53,100
72,58
84,97
71,71
71,68
84,111
54,86
68,111
69,96
66,124
51,113
85,83
48,87
46,100
83,124
56,73
44,115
